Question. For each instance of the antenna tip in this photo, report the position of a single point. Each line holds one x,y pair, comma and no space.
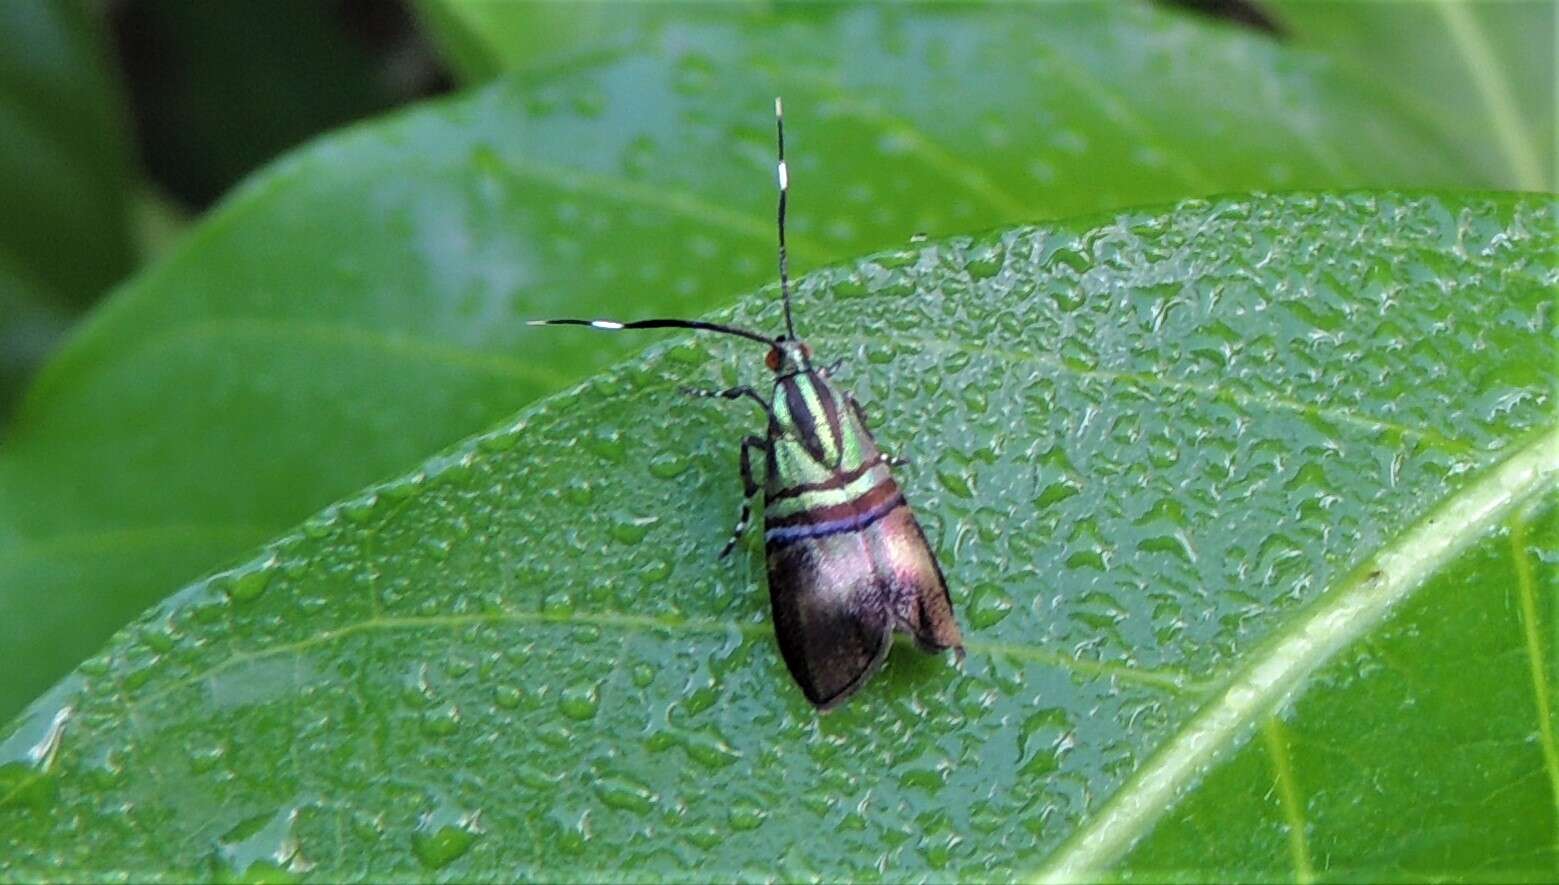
535,322
779,108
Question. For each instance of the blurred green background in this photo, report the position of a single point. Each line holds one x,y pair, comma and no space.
126,119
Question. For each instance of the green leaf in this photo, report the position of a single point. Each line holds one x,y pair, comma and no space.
360,305
481,40
64,176
1187,471
1480,74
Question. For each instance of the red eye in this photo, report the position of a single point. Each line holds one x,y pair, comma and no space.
772,360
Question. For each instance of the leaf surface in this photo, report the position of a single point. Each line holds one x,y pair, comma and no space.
361,304
1204,480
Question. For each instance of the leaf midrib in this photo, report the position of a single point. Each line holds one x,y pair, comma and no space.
1271,675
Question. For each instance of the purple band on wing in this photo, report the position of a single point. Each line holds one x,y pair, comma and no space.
856,522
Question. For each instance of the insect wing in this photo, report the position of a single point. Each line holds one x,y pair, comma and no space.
832,632
837,599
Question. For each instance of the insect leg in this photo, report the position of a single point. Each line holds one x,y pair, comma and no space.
749,489
731,393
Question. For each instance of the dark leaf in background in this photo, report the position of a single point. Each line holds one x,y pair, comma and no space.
220,87
64,179
361,303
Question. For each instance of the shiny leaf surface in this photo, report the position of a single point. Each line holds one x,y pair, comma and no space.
360,305
1237,475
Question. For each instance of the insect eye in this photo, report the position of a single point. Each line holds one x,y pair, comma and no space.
806,350
772,359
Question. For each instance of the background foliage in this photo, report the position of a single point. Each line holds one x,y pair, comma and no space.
357,306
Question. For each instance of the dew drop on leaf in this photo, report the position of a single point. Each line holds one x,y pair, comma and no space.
507,696
580,702
248,586
438,848
745,815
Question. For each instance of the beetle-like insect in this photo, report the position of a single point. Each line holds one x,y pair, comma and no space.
848,564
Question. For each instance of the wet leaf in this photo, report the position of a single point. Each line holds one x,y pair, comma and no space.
1291,619
361,304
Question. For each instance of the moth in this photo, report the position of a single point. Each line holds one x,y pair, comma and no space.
848,564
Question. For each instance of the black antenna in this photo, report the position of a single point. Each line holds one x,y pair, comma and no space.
784,188
613,326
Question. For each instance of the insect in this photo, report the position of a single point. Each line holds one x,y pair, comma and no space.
848,564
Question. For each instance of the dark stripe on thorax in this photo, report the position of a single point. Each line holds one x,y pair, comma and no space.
825,395
837,481
801,415
780,536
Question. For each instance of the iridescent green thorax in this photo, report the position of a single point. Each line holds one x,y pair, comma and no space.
825,473
816,432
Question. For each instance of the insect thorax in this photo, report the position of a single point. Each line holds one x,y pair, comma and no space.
816,433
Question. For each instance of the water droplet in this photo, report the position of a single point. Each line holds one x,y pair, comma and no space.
320,524
502,441
991,604
1055,493
625,794
985,266
1087,559
261,848
442,721
656,570
404,487
956,481
361,509
607,444
849,287
507,696
438,848
667,466
928,779
580,702
247,586
631,530
206,757
158,640
709,749
746,815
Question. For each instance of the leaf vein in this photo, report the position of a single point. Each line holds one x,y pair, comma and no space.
1526,591
1270,676
1276,742
1167,680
